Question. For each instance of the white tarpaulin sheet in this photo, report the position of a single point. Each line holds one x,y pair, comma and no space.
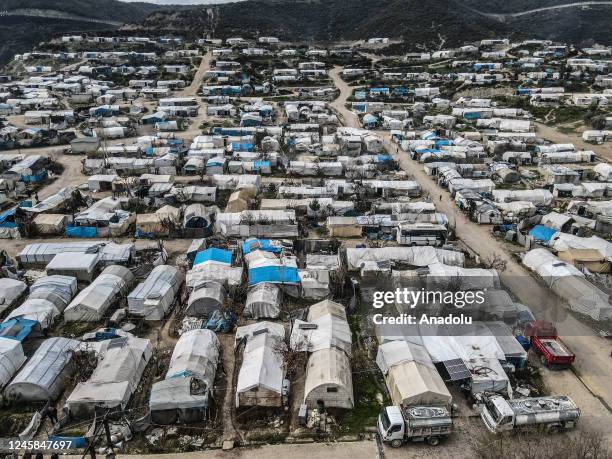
441,276
262,365
396,352
570,284
205,299
229,276
10,291
48,297
11,359
196,354
548,266
326,327
538,197
195,357
94,300
154,297
248,331
45,375
564,241
417,256
121,362
263,301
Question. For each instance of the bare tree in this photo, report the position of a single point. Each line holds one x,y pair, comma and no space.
496,261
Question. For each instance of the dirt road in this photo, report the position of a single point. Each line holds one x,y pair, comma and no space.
350,119
593,362
504,16
350,450
192,89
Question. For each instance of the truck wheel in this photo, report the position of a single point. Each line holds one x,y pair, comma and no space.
396,443
433,440
553,430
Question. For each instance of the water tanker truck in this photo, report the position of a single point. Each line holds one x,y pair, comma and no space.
554,413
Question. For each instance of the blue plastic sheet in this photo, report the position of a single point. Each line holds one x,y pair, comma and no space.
213,254
542,233
80,231
250,245
17,329
274,274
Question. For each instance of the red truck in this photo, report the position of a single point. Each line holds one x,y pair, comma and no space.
553,352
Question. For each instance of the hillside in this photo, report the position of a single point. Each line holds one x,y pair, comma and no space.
100,9
24,23
441,22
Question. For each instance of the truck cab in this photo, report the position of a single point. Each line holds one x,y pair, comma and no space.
391,425
497,415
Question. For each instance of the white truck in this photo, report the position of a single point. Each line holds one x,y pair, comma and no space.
397,425
554,412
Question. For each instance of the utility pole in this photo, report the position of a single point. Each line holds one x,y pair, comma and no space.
109,443
91,449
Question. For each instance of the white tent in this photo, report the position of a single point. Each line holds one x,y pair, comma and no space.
329,380
210,271
45,375
184,394
440,277
260,380
121,362
196,354
537,197
263,301
570,284
153,298
11,359
417,256
326,327
11,290
248,331
48,297
34,255
205,299
412,383
94,300
565,241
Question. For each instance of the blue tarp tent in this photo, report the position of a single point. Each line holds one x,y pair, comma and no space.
542,233
242,146
17,328
379,91
80,231
213,254
250,245
34,178
471,115
401,91
274,274
428,150
7,218
369,120
257,165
